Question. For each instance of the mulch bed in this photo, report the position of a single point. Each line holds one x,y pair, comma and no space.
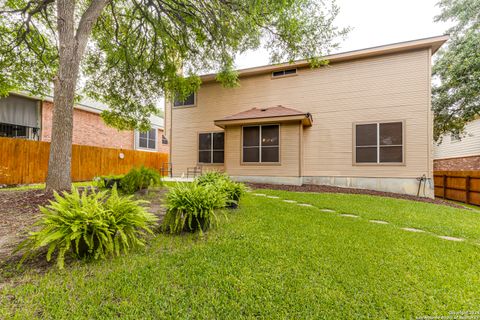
18,211
331,189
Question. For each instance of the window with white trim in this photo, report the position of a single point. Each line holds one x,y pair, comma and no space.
211,147
147,140
380,142
261,144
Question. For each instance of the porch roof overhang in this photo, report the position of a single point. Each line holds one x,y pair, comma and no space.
256,115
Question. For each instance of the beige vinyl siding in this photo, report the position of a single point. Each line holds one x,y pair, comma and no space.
384,88
469,145
289,154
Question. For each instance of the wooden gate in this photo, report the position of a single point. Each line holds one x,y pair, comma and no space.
463,186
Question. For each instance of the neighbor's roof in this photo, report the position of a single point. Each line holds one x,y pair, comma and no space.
434,43
89,105
266,114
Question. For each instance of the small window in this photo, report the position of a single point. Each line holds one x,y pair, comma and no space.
211,147
261,144
164,139
148,140
189,101
283,73
379,142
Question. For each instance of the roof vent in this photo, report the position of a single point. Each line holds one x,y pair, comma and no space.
283,73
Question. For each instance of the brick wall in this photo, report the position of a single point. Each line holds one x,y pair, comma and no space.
457,164
89,129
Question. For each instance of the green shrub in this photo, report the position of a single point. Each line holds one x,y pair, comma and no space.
90,224
107,182
140,178
212,177
233,190
191,207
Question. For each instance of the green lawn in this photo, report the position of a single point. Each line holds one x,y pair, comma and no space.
272,260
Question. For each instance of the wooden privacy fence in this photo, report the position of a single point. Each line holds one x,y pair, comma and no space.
463,186
24,162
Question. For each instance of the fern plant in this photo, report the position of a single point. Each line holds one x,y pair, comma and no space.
191,207
221,181
139,179
90,224
212,177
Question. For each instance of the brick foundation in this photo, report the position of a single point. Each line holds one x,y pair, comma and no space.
89,129
457,164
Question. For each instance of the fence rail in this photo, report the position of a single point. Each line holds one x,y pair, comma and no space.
24,162
463,186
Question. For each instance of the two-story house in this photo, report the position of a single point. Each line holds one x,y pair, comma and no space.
363,121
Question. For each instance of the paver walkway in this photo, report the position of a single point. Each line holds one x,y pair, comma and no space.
349,215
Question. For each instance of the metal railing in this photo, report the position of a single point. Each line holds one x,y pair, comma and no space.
8,130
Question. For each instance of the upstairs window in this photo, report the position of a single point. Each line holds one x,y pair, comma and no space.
190,101
147,140
211,147
379,143
283,73
261,144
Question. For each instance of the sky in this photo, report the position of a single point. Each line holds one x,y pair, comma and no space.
374,23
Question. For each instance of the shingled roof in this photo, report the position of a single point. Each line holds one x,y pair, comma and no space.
265,113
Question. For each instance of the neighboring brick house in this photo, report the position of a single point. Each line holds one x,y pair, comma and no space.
462,154
30,118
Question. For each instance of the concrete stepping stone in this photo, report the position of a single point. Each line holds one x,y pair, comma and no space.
305,205
349,215
290,201
327,210
451,238
259,194
378,221
273,197
413,230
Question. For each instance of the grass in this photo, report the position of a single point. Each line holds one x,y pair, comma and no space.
38,186
272,259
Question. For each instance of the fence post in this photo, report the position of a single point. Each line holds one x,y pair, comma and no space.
467,189
444,186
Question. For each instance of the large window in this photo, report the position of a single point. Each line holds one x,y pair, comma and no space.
188,102
379,142
148,140
261,143
211,147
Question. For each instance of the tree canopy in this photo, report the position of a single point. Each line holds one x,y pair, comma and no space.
456,96
137,47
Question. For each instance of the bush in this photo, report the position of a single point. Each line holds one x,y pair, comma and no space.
90,224
212,177
191,207
107,182
223,183
138,179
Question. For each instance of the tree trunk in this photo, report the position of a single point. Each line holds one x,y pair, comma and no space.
59,163
71,49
